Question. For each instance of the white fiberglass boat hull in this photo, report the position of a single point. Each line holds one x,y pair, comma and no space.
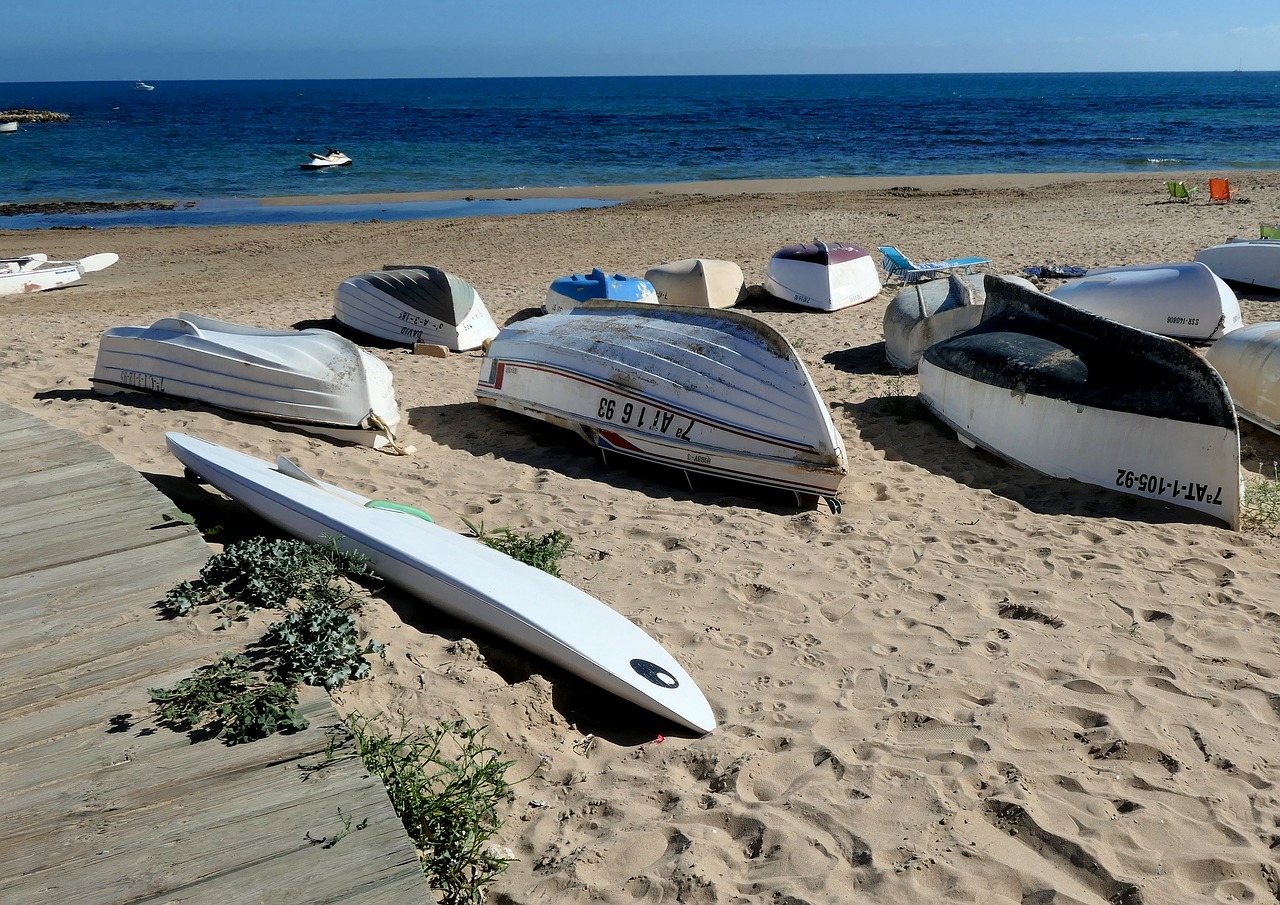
35,272
409,305
1185,300
463,577
1196,466
929,311
1249,362
711,392
698,283
1245,262
314,380
1073,395
822,276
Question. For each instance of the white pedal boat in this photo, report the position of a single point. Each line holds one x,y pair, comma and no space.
703,391
698,283
35,273
1185,300
1249,362
314,380
1073,395
1245,262
824,276
418,304
462,577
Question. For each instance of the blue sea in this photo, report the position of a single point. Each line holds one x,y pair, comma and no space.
220,144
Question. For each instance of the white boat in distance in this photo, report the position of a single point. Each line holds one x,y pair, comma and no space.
312,380
929,311
698,282
35,273
704,391
1245,262
1185,300
10,126
331,158
1073,395
462,577
415,304
143,86
1249,362
824,276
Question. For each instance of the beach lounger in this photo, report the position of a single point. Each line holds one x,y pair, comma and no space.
1178,191
1268,231
1220,191
897,264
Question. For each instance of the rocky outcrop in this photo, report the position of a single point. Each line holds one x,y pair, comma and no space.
32,116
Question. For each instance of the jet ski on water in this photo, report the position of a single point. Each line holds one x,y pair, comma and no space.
332,158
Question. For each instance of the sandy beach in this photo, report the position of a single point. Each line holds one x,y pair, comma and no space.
974,684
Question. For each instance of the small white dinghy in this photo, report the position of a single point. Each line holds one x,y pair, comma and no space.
1185,300
1249,362
415,304
461,576
698,283
569,292
929,311
35,273
703,391
1245,262
824,276
1073,395
314,380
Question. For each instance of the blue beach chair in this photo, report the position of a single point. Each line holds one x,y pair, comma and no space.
897,264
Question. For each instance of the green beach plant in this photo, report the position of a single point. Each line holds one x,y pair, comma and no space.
542,552
447,784
1261,503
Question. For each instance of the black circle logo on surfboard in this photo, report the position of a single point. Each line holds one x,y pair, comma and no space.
655,673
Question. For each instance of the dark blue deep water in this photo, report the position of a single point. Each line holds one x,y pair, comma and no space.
244,139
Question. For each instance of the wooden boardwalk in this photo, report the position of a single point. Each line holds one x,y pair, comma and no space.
99,811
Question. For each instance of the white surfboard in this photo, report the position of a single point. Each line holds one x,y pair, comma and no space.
461,576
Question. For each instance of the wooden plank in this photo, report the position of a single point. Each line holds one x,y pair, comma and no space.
96,812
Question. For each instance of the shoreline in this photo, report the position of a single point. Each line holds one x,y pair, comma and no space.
642,191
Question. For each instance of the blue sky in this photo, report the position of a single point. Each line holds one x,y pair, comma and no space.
157,40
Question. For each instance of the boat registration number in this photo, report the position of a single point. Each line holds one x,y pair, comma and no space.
644,417
151,382
1159,486
1185,321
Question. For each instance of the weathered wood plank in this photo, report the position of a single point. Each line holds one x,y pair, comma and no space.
98,812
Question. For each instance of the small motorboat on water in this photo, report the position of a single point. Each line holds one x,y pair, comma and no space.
698,282
704,391
1245,262
1070,394
314,380
415,304
10,126
1249,362
1185,300
33,273
823,276
926,312
571,291
143,86
331,158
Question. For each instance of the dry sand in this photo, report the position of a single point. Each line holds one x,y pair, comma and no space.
976,684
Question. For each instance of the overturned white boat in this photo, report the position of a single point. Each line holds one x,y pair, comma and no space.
35,272
1249,362
698,282
313,380
710,392
411,305
1245,262
926,312
1184,299
569,292
823,276
1074,395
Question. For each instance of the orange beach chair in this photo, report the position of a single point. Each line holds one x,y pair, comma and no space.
1220,191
